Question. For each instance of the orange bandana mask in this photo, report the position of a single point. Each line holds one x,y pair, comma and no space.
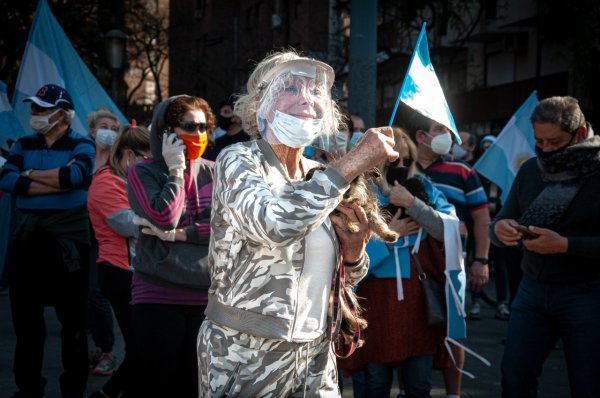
195,144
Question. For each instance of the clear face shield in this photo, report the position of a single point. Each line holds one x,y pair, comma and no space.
296,108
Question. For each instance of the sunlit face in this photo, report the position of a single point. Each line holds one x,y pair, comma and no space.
107,123
192,122
434,130
104,123
300,97
549,136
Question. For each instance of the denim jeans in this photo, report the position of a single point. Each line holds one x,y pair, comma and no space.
416,376
540,316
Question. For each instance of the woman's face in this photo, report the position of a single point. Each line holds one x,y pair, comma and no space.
104,123
404,154
192,122
107,123
300,98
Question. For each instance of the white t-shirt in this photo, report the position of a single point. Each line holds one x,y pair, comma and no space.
314,287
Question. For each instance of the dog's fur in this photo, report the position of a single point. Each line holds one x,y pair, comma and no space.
361,194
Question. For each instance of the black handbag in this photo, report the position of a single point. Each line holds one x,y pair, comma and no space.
435,297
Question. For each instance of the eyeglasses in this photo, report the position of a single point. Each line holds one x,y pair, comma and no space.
193,126
406,162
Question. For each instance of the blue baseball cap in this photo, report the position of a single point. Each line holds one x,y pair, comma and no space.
52,96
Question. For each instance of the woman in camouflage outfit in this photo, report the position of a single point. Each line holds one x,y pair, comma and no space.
275,254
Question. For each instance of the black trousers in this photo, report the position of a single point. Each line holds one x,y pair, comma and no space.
38,278
165,335
115,285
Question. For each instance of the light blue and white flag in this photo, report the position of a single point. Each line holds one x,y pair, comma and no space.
515,144
9,124
421,89
50,58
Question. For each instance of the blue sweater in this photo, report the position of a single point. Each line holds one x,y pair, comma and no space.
73,153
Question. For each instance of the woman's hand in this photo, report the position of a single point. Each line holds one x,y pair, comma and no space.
376,144
149,229
405,226
352,244
400,196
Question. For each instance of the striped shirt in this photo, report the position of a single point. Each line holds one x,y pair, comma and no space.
72,153
459,183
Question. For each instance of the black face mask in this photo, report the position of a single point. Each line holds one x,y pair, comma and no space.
396,174
224,122
546,155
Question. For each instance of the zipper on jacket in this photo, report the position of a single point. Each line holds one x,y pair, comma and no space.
298,291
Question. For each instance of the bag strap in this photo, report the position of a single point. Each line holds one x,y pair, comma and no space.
422,275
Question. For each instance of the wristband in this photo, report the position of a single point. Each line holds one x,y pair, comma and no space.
481,260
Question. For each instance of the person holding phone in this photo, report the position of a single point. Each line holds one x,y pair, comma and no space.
551,213
171,196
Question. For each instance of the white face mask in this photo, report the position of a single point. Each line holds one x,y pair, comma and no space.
295,132
105,138
341,140
458,152
40,124
441,144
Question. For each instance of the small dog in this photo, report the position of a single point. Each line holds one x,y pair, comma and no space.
363,196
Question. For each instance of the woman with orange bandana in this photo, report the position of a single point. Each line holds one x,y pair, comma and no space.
171,197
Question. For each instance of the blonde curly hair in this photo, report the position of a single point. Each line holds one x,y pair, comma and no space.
264,85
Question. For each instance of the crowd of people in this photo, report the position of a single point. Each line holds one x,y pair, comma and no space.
226,246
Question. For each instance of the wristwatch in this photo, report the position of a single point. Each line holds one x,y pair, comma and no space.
481,260
27,172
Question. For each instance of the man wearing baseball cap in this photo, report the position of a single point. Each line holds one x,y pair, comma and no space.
49,172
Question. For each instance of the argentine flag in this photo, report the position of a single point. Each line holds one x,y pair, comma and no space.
421,89
515,144
9,124
50,58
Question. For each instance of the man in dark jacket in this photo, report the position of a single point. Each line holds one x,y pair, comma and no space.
552,213
48,173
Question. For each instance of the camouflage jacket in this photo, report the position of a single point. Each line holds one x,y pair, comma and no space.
259,222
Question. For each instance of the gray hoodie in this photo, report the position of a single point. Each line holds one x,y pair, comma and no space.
170,202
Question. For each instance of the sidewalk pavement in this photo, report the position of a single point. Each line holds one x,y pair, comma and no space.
485,338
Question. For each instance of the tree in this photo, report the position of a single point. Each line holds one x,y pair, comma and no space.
147,47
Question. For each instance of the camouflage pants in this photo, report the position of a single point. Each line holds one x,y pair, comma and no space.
236,364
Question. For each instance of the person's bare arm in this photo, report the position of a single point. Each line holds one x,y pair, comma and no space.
376,144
